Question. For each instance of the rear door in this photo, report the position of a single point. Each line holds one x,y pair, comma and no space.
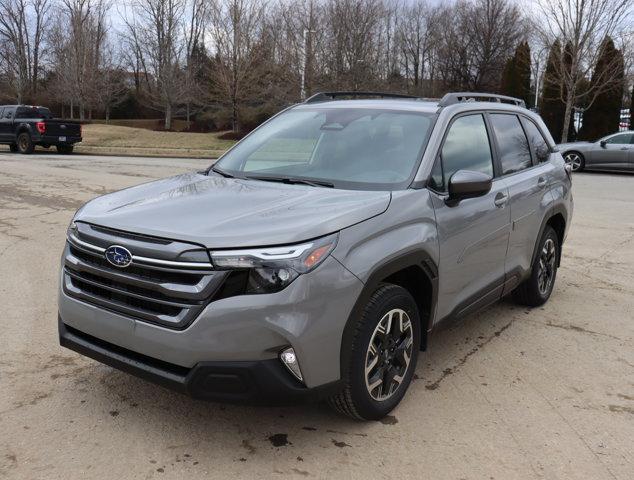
473,234
523,157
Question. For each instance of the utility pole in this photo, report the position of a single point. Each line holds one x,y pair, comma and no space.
304,63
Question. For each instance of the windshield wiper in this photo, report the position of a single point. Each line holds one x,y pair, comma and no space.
221,172
293,180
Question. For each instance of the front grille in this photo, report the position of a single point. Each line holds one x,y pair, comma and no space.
166,295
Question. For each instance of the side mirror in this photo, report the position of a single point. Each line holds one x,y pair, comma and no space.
468,184
603,143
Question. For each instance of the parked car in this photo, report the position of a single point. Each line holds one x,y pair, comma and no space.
612,153
22,127
317,256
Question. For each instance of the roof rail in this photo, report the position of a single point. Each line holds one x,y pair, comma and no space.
457,97
329,96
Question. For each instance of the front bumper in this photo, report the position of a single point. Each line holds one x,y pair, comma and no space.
253,382
309,315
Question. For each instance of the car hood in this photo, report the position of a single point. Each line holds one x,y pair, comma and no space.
220,212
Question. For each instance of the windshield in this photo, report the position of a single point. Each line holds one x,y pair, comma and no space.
349,148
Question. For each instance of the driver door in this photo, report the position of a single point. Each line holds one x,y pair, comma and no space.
615,153
473,234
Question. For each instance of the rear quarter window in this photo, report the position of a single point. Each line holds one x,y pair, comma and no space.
514,151
541,150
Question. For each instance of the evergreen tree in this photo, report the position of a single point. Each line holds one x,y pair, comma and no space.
551,108
516,77
604,115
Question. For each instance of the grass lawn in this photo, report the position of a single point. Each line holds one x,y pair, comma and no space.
114,139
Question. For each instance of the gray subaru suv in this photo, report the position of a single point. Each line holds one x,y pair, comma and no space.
315,258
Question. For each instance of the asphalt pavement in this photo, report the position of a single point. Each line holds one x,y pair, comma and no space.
511,393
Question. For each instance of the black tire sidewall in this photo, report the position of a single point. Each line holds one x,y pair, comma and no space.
549,232
29,147
385,299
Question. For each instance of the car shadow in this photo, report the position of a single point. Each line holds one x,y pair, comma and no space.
120,400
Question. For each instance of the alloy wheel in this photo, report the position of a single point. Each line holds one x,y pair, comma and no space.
388,355
574,160
546,267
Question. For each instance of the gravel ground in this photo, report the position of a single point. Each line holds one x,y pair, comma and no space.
510,393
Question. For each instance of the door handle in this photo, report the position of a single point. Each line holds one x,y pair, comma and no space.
541,183
625,148
500,200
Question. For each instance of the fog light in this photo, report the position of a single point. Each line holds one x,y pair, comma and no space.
289,359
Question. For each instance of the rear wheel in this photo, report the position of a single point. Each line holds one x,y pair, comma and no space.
25,144
65,149
383,355
536,290
575,160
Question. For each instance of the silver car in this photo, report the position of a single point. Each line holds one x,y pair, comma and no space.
612,153
317,256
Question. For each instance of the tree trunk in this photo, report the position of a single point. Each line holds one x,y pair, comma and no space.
569,100
168,116
108,114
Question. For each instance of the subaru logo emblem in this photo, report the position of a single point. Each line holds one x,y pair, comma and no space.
118,256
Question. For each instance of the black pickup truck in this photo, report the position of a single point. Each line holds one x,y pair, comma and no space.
23,127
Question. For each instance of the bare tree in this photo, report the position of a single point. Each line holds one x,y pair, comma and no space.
414,37
581,26
22,28
156,36
77,41
235,26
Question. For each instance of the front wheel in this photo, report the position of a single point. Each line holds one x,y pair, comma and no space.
67,149
536,290
25,144
575,160
383,354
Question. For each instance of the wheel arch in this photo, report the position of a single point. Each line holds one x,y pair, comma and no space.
556,218
417,273
23,128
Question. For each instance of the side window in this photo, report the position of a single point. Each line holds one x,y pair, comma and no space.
8,113
515,154
623,139
466,147
537,141
1,112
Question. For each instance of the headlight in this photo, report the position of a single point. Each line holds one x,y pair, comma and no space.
272,269
72,229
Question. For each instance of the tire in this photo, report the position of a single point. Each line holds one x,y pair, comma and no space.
25,144
13,148
66,149
392,356
576,161
536,290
